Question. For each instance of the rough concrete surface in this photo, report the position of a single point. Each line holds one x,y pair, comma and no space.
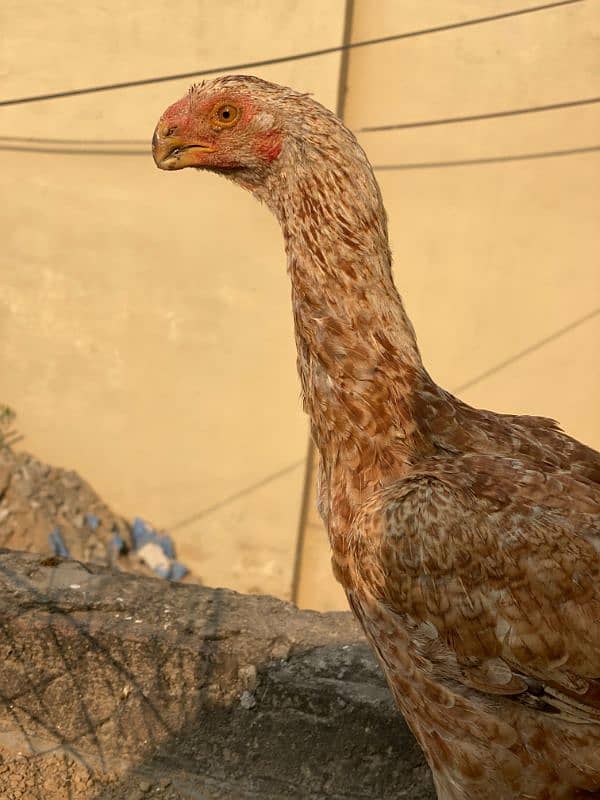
115,686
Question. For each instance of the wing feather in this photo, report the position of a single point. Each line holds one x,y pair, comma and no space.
498,566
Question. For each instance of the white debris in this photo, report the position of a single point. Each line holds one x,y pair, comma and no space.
154,557
247,700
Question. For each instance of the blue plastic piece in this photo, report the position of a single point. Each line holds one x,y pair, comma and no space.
167,545
117,543
178,571
92,521
141,533
57,543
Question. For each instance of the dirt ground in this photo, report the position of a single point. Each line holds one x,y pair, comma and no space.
61,776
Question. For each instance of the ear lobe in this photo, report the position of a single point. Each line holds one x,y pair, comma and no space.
264,121
269,145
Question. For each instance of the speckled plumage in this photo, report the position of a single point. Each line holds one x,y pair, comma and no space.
467,541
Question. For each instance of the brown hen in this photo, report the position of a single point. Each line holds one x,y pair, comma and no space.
467,541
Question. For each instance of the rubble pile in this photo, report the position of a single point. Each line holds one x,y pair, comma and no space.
53,511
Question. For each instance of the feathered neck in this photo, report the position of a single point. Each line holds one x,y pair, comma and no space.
358,360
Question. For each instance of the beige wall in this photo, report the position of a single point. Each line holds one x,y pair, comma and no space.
145,328
490,259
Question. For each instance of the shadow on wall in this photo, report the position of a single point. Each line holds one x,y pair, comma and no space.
115,687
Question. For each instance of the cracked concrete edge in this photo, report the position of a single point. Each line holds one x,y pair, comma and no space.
115,674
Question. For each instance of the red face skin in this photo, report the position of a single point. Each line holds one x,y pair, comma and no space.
222,132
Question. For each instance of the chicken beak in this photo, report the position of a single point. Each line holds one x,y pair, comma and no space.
172,152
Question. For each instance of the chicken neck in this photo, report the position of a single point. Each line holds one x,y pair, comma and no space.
357,355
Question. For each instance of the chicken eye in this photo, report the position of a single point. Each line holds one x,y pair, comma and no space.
226,115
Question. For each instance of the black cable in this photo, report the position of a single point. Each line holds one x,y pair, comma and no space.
181,523
491,160
52,140
501,365
283,59
512,112
527,351
74,151
14,140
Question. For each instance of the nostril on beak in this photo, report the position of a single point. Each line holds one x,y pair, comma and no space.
163,132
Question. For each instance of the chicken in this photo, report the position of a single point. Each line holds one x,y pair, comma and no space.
467,542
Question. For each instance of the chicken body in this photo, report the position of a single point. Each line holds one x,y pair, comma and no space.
475,578
467,542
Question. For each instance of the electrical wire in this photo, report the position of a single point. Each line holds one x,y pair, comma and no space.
284,59
74,151
511,112
501,365
467,162
527,351
182,523
53,140
16,141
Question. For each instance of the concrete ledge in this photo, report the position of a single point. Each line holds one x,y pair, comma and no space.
113,686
